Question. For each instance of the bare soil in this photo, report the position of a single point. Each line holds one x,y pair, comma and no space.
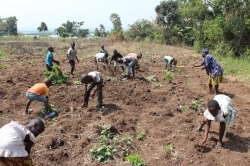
132,106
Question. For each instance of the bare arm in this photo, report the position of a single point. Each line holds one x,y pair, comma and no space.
208,124
99,85
28,144
84,95
57,62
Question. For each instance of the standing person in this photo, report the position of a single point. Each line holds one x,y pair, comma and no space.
16,141
115,57
39,92
101,58
220,109
71,55
103,50
50,59
169,60
214,70
130,62
91,80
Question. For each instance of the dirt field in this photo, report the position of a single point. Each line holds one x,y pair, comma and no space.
131,106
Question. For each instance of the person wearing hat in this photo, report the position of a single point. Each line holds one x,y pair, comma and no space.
214,70
220,109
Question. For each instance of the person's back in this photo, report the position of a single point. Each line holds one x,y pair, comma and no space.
101,57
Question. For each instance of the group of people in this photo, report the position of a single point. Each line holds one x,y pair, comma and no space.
16,139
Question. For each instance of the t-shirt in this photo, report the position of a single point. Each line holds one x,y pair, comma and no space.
168,58
72,54
212,66
39,89
128,59
12,137
103,51
96,76
49,58
100,57
116,56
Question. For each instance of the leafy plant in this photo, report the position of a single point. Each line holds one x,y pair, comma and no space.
32,63
180,70
140,135
167,76
135,160
106,132
197,105
103,153
151,78
169,147
77,82
126,139
185,108
4,66
159,85
56,75
51,108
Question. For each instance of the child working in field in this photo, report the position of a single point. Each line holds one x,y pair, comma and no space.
91,80
115,57
16,141
71,55
168,60
130,62
220,109
101,58
50,59
39,92
103,50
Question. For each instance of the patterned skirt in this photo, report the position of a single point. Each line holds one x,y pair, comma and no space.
215,81
16,161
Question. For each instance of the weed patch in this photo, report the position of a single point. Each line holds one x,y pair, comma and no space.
135,160
140,136
56,75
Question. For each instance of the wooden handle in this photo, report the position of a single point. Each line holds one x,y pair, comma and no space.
189,67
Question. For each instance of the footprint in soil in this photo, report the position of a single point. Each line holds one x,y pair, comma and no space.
202,149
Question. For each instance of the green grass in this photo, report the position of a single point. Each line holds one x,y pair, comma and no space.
3,54
135,160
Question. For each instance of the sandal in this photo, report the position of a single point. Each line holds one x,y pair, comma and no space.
50,115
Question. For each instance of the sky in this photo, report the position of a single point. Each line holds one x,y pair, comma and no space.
30,13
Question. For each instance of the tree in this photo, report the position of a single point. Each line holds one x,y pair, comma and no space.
101,32
12,25
140,29
3,27
116,21
72,29
97,32
43,27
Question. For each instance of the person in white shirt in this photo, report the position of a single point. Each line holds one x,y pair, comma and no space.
220,109
101,58
16,141
91,80
71,55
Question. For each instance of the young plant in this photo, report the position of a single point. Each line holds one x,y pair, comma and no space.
77,82
180,70
140,136
169,147
183,107
56,75
126,139
167,76
197,105
106,132
51,108
135,160
103,153
4,66
159,85
151,78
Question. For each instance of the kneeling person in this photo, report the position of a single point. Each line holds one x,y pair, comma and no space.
16,141
168,60
91,80
220,109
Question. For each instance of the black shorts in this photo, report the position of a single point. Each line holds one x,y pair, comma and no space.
49,68
72,63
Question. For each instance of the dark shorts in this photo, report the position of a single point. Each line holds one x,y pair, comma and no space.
49,68
72,63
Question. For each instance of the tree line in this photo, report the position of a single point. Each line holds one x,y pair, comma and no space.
221,25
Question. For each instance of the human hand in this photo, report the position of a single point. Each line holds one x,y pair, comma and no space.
202,142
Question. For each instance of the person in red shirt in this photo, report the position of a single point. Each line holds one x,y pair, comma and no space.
39,92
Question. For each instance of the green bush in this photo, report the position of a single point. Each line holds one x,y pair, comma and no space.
56,75
135,160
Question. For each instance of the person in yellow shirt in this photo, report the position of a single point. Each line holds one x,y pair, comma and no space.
39,92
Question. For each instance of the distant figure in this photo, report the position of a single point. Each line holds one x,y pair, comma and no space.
101,58
130,62
50,59
91,80
220,109
137,66
39,92
115,57
71,55
103,50
16,141
169,60
214,70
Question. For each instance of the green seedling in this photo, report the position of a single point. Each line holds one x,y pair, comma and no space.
135,160
167,76
4,66
169,147
197,105
126,139
51,108
159,85
140,135
151,78
180,70
185,108
103,153
32,63
77,82
56,75
106,132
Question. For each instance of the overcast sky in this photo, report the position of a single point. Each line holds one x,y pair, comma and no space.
30,13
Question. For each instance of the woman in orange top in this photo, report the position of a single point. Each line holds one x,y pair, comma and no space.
39,92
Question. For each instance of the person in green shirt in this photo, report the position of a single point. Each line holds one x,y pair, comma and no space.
168,60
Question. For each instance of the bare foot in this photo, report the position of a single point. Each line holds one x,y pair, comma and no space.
199,129
219,145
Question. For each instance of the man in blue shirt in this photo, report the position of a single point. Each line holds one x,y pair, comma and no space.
49,59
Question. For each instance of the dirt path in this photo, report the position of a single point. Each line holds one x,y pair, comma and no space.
132,106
